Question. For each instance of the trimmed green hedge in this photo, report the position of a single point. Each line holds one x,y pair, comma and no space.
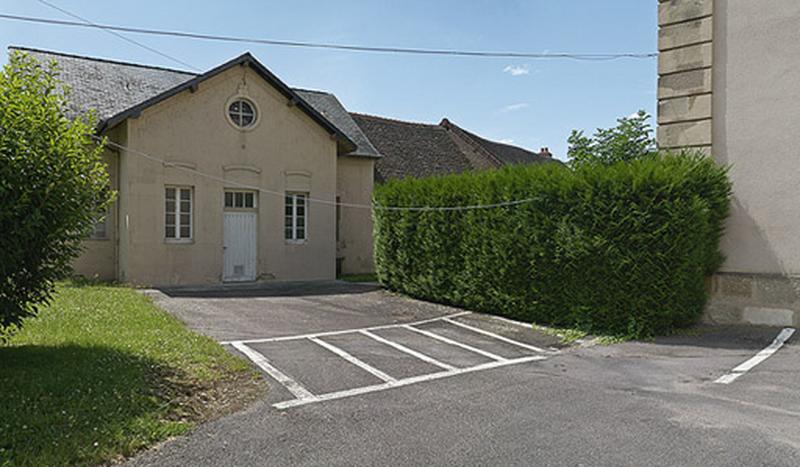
621,249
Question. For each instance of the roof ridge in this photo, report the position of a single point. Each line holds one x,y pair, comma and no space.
99,59
469,138
473,135
395,120
315,91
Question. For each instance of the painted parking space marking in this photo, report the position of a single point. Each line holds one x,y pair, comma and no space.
343,331
456,343
353,360
303,396
743,368
412,352
496,336
404,382
261,361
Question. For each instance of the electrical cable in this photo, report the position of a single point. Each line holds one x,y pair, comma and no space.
111,31
310,199
319,45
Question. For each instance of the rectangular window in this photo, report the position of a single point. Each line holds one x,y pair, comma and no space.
100,230
178,213
295,224
240,199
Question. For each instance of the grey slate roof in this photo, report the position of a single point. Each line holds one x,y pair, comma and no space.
111,88
107,86
329,106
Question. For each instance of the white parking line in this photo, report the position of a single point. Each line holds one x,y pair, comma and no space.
411,352
403,382
353,360
304,396
456,343
344,331
293,386
530,326
496,336
783,336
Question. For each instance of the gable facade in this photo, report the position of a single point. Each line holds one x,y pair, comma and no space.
203,201
283,152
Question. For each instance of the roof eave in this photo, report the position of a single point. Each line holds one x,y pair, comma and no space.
364,155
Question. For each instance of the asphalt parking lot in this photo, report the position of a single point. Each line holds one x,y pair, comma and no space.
359,376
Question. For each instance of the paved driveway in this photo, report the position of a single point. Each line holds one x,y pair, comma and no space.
359,376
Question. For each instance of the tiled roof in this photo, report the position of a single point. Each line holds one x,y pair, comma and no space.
505,153
412,149
111,88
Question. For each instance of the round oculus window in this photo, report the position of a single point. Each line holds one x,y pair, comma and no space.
242,113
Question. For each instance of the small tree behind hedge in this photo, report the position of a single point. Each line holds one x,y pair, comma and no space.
632,139
621,248
53,185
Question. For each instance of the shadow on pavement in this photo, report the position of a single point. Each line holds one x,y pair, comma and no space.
731,337
272,289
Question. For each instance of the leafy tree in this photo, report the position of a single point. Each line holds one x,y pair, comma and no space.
53,185
630,140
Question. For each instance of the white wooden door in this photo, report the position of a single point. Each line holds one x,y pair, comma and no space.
240,246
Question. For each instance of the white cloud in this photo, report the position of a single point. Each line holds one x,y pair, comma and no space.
515,107
517,70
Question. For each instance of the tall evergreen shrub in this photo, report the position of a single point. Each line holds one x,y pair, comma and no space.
621,248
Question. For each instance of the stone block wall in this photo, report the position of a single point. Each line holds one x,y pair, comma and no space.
685,44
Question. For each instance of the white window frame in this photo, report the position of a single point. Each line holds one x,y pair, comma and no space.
179,190
294,195
240,114
103,220
244,194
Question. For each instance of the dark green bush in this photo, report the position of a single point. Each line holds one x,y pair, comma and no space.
617,249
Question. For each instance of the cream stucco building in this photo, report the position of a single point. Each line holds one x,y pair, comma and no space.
225,176
231,175
729,85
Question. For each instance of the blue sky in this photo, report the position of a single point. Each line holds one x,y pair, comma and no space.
531,103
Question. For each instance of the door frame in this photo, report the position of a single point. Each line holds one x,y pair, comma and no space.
232,206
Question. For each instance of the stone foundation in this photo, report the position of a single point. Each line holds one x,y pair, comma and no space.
761,299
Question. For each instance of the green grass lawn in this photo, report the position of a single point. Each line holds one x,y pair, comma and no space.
102,373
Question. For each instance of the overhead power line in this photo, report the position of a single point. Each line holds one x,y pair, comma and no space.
85,22
310,199
324,45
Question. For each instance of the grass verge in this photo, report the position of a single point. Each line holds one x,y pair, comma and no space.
571,336
102,373
359,278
